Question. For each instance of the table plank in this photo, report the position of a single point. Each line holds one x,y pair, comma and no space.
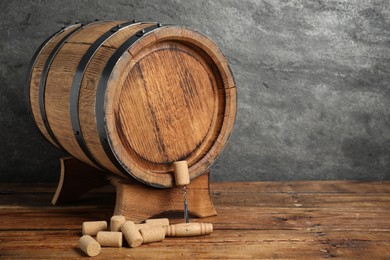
248,244
262,220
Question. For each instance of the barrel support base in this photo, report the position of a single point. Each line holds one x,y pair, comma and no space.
138,202
76,179
134,200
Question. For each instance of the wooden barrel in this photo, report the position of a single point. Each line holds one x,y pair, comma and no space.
132,98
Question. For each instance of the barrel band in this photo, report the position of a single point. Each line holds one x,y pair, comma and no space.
31,68
101,93
42,86
76,85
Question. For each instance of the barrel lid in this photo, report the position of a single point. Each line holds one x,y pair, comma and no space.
171,96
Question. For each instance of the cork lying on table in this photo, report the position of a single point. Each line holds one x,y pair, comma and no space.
152,234
142,225
89,245
132,234
153,230
153,222
93,227
109,238
116,222
157,222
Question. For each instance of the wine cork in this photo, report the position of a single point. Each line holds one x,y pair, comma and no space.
143,225
188,229
182,176
132,234
158,222
152,234
109,238
93,227
116,222
89,245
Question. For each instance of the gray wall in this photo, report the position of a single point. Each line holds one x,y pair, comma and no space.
312,78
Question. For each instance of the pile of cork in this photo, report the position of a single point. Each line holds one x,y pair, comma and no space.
153,230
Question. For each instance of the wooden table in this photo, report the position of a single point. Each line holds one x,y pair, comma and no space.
305,220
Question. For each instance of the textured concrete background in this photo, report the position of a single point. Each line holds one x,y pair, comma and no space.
312,78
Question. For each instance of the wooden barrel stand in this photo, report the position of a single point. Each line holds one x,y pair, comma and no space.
127,100
77,178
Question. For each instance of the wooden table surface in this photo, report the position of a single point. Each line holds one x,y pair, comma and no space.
258,220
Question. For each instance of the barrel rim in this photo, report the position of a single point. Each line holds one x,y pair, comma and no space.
222,135
101,93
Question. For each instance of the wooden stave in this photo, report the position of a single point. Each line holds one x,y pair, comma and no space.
76,85
58,88
91,138
101,94
33,89
30,71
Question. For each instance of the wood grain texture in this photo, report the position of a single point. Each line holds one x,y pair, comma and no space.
92,32
36,77
170,97
59,84
262,223
87,98
77,178
57,97
157,201
186,113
